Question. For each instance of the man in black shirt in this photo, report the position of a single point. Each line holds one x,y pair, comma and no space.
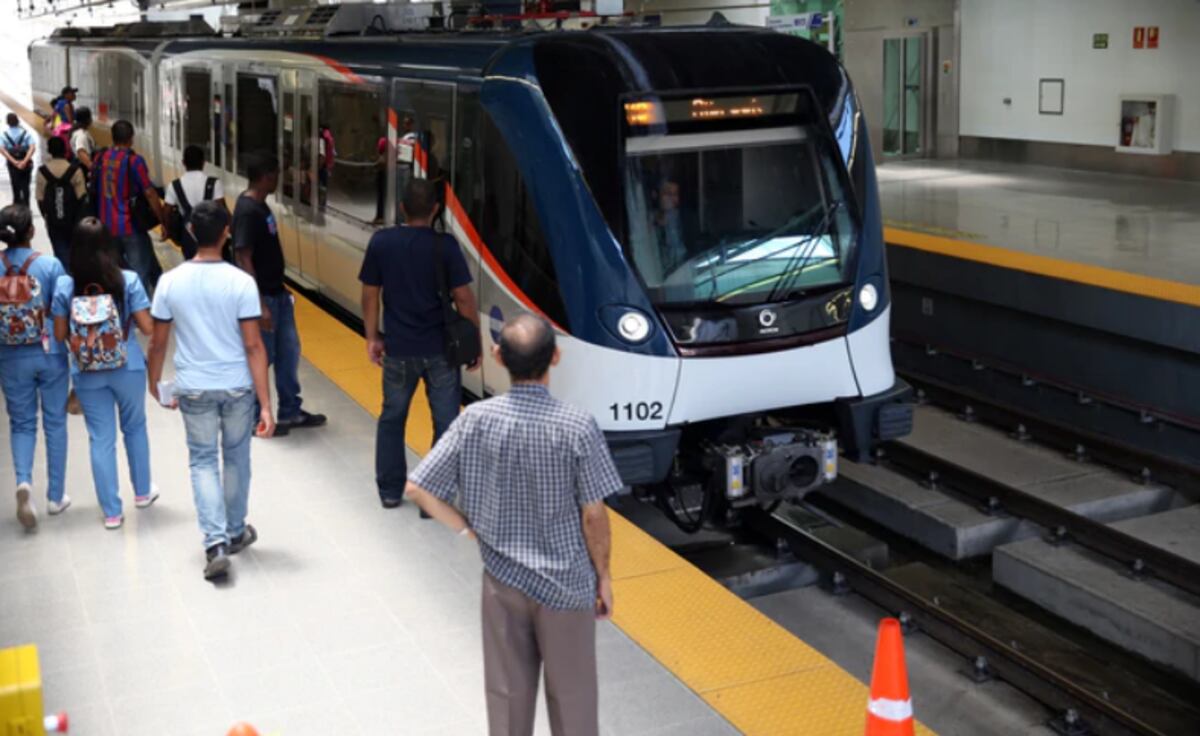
258,252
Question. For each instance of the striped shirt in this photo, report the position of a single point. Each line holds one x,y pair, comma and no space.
120,175
522,466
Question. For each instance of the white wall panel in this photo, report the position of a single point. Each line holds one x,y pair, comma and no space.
1008,46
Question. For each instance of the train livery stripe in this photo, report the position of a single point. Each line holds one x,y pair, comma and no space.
339,67
1106,278
467,228
751,671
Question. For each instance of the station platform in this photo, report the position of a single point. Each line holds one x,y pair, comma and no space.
1129,233
348,619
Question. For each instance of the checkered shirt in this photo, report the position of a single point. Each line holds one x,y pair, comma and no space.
521,466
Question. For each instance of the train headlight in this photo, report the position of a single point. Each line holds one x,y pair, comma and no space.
633,326
868,297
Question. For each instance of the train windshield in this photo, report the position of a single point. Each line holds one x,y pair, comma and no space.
725,213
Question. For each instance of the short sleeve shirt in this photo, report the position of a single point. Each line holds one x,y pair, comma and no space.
81,140
255,228
207,301
119,176
193,183
135,301
401,261
16,141
522,466
46,269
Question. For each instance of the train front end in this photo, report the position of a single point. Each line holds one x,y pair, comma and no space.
718,247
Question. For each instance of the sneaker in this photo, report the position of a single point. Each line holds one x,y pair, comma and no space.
54,508
114,522
303,420
26,513
248,537
217,562
143,502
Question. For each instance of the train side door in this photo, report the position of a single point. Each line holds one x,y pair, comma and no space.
297,176
422,130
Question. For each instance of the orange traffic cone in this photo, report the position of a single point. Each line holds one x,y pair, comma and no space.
890,711
242,729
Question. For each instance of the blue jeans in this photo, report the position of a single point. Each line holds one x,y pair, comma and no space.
283,352
219,426
138,253
443,388
125,391
26,380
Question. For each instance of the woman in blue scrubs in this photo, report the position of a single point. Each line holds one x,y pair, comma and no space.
107,395
33,368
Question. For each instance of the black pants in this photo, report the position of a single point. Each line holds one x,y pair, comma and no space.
20,179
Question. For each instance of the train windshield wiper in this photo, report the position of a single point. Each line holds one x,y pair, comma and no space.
796,264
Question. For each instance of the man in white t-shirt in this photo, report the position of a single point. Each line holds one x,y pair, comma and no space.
220,376
195,187
82,143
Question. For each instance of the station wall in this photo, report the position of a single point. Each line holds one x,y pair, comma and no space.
1006,47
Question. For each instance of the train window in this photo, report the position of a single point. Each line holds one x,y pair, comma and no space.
425,132
352,148
196,109
228,125
257,118
289,140
510,225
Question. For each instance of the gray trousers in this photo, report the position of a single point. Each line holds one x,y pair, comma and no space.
521,637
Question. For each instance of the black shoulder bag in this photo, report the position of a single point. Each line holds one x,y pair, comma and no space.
462,337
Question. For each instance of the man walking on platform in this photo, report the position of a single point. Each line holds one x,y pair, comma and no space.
530,474
120,180
406,264
220,377
259,253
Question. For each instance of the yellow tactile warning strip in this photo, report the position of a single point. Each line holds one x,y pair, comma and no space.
1107,278
753,672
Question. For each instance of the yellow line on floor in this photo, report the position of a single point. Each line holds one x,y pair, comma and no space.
752,671
1107,278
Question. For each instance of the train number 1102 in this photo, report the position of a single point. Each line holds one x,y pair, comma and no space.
642,411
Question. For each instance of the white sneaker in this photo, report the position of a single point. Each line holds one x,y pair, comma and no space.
145,501
54,508
114,522
26,513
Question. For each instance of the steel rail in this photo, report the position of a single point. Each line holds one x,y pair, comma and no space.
1141,557
1005,661
1144,466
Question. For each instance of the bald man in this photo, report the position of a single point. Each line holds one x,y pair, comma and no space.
530,474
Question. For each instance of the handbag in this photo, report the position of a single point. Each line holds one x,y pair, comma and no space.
462,337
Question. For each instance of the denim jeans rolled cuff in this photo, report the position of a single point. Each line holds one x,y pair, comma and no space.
283,352
219,425
443,389
28,382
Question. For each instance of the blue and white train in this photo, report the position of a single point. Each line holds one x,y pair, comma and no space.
695,209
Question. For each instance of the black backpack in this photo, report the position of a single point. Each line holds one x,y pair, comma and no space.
61,206
177,222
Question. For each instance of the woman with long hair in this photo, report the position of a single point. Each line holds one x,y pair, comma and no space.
33,367
115,388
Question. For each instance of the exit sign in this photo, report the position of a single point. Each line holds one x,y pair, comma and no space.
1099,40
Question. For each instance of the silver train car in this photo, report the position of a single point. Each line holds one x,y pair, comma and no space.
704,235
